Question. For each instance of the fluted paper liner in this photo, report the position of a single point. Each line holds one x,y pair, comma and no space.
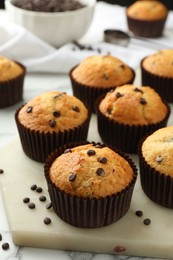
123,136
156,185
162,85
89,94
38,145
88,212
11,91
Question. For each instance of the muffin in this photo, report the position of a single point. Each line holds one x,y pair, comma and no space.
90,184
156,166
98,74
11,82
157,71
49,120
147,18
126,114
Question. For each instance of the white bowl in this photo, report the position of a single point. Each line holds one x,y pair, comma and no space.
56,28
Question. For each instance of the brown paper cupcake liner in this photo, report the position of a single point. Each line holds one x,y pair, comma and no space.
149,29
125,137
162,85
156,185
38,145
89,94
89,212
11,91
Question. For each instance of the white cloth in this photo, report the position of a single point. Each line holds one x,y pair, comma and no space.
21,45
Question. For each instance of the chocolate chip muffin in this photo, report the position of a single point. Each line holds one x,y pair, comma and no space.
11,82
127,113
49,120
90,184
157,70
156,166
147,18
98,74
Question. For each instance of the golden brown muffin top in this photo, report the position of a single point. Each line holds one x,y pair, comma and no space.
157,150
102,71
160,63
9,69
133,105
91,171
147,10
53,111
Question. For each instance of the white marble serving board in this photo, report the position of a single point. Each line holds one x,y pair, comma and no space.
128,236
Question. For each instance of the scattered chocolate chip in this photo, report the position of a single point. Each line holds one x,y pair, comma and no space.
159,159
143,101
31,205
33,187
29,109
49,205
139,213
76,109
0,237
56,113
39,189
72,177
68,150
102,160
91,152
26,200
47,220
118,95
52,123
1,171
147,221
42,198
138,90
5,246
100,172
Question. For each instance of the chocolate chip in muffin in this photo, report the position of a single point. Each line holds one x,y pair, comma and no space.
91,152
102,160
100,172
29,109
159,159
76,109
52,123
138,90
122,66
72,177
105,76
118,95
56,113
143,101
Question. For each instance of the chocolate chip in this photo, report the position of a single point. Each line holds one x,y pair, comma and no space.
147,221
59,95
42,198
33,187
139,213
1,171
29,109
106,77
122,66
56,113
39,189
49,205
143,101
31,205
52,123
72,177
47,220
76,109
100,172
26,200
102,160
159,159
109,110
118,95
0,237
5,246
68,150
91,152
138,90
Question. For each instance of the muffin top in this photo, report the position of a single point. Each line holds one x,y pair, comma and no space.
91,171
53,111
147,10
133,105
102,71
9,69
160,63
157,149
